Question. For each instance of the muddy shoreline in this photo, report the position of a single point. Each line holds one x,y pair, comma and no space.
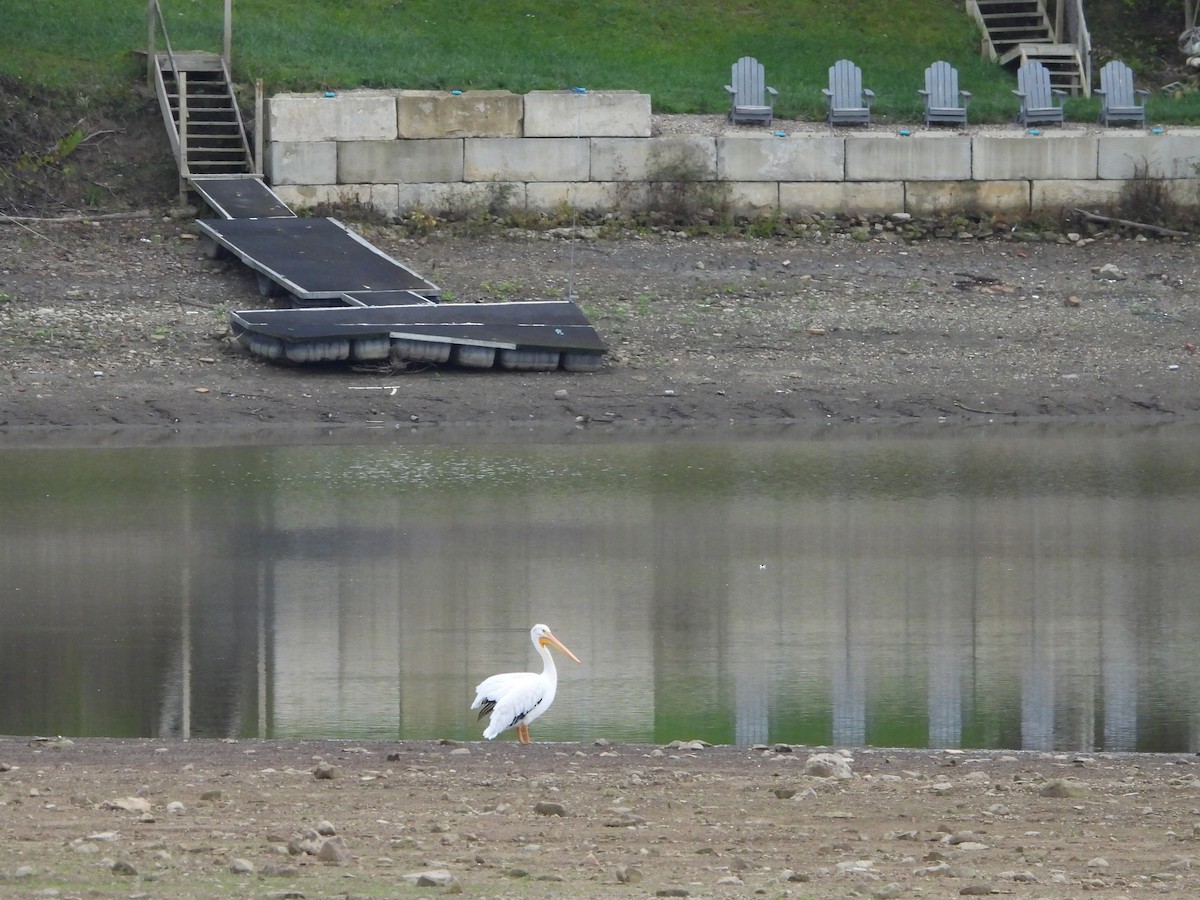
125,324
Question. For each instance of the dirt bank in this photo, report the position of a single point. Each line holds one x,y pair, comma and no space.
124,323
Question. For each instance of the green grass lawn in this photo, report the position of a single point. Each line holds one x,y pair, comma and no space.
678,52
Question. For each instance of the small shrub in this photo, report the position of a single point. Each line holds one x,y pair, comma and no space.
1147,200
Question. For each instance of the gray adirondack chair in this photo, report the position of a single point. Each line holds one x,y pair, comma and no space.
1119,101
751,100
849,102
1040,103
944,102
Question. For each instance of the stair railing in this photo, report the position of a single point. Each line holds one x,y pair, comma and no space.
156,25
1071,28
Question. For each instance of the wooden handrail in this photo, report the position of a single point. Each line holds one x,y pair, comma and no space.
154,16
1071,28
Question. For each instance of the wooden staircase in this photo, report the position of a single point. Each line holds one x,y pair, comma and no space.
1015,31
204,124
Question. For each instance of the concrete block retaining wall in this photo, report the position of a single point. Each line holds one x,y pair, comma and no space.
548,150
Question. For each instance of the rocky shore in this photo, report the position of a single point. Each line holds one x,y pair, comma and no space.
284,818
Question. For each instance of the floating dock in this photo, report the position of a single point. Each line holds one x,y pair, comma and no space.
533,335
350,301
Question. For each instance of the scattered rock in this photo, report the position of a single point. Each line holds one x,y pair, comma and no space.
241,866
855,867
627,874
625,820
975,890
1109,272
129,804
828,765
1065,788
688,745
439,878
54,743
333,850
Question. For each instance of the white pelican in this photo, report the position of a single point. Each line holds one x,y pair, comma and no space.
517,698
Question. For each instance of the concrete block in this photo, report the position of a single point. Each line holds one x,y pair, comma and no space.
866,197
352,116
526,159
302,162
587,196
459,200
591,114
433,160
1174,154
1184,191
791,158
1111,194
440,114
1092,195
1016,155
380,197
932,198
753,199
654,159
924,155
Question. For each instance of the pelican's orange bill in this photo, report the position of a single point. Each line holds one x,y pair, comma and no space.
549,638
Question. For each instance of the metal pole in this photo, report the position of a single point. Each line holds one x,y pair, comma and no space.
183,141
150,53
259,128
228,51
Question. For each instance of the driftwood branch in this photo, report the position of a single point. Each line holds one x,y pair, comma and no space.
6,219
985,412
1156,229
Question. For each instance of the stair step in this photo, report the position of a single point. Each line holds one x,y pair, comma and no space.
214,142
1010,17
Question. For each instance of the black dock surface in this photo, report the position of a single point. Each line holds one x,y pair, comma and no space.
313,259
530,325
240,198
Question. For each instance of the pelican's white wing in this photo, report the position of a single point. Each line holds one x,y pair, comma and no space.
514,698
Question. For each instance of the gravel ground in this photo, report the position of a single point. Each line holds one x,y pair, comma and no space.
109,818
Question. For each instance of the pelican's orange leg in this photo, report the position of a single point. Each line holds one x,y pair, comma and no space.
523,734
